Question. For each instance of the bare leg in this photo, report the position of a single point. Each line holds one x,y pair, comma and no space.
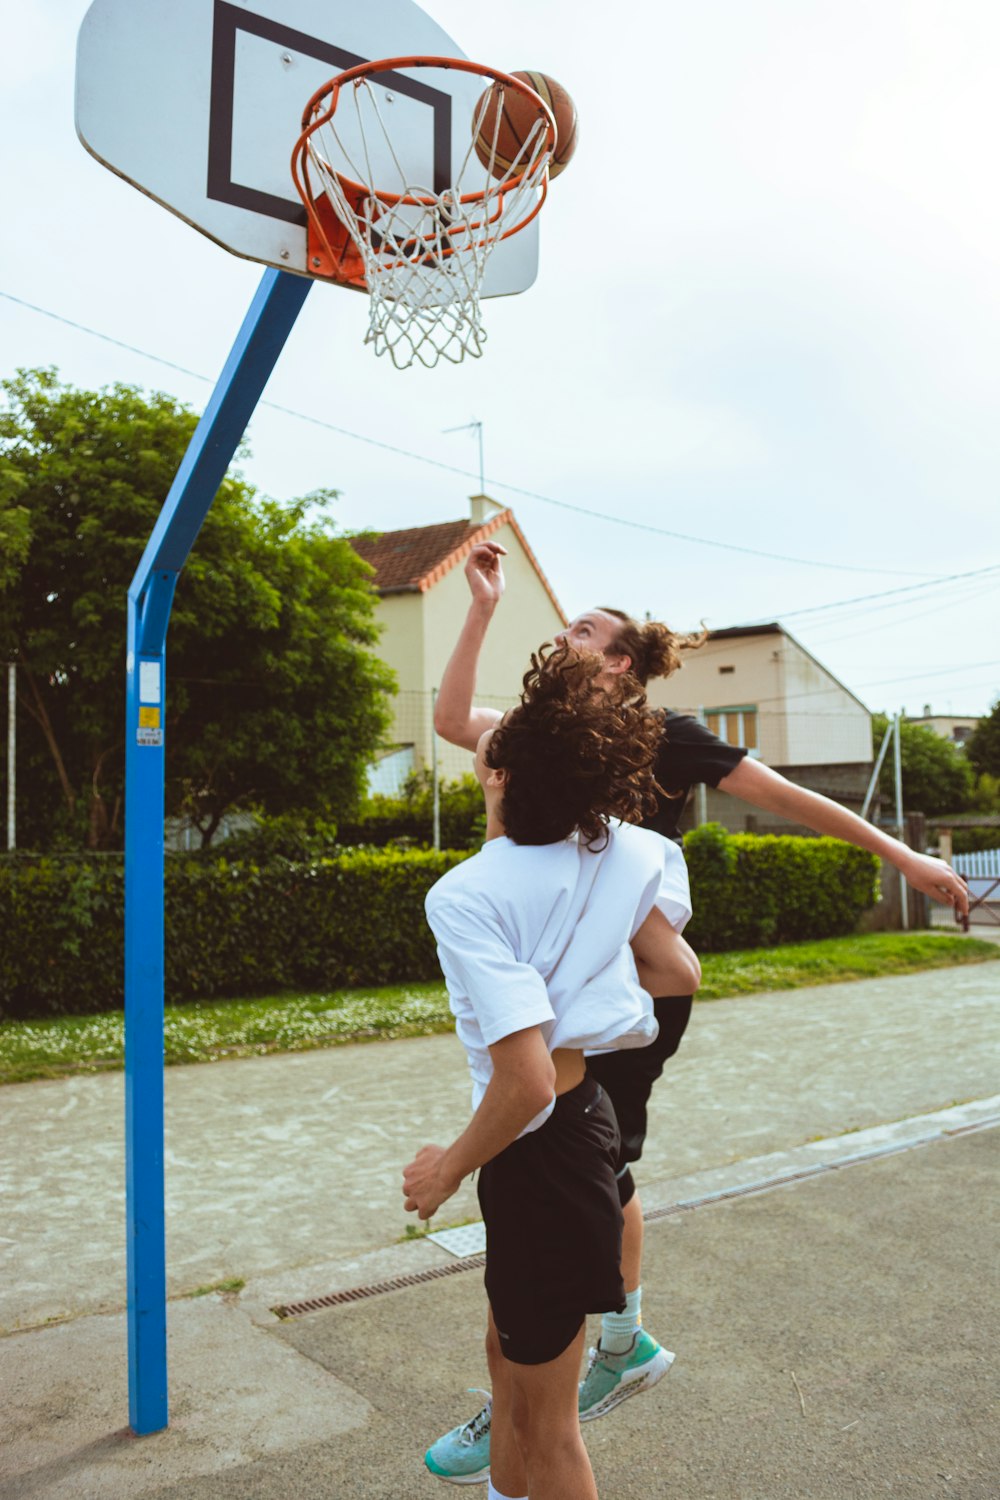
507,1469
632,1238
548,1428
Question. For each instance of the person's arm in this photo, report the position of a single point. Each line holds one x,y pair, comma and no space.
522,1085
766,789
666,963
456,718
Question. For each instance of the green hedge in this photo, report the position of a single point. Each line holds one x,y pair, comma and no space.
231,928
241,928
751,890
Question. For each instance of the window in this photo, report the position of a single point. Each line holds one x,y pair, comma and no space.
723,671
737,726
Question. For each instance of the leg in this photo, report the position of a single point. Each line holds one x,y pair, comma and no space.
508,1473
548,1428
627,1359
632,1237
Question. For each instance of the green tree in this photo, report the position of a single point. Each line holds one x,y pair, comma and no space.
983,745
936,776
274,699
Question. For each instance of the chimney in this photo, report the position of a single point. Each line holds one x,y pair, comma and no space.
483,509
927,711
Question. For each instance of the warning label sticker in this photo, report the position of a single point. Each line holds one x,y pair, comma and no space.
149,736
149,718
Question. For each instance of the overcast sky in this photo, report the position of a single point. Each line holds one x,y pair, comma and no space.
767,316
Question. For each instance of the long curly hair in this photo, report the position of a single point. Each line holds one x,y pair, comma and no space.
574,754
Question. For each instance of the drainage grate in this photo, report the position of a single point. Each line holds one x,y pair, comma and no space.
743,1190
394,1284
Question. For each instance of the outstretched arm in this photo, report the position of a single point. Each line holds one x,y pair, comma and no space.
766,789
455,716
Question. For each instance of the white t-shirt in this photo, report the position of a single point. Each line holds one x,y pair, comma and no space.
538,935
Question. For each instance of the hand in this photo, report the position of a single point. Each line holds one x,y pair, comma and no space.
425,1185
936,879
484,571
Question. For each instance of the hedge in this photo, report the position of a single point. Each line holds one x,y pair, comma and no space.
235,927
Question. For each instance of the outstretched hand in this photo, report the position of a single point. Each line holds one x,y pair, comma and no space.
938,880
484,571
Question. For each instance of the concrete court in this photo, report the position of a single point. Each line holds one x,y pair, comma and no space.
303,1407
279,1163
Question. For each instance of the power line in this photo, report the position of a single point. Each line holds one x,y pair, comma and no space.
513,489
909,588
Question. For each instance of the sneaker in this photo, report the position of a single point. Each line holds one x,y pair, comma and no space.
463,1454
612,1378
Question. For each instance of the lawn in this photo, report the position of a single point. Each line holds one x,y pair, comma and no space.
219,1029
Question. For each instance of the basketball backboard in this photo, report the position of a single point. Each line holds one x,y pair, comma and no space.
198,103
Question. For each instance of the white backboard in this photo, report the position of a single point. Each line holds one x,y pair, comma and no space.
198,103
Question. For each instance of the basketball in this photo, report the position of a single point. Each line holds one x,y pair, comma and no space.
518,117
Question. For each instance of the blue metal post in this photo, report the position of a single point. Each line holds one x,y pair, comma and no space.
255,351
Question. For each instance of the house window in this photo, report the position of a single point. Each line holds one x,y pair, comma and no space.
737,726
724,671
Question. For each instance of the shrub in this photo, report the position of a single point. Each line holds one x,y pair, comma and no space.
410,817
751,890
242,927
232,927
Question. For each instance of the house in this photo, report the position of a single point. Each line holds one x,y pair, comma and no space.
423,600
957,728
756,686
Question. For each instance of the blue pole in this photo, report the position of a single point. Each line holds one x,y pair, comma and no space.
258,344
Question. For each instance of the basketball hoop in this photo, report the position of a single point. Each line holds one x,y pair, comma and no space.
420,250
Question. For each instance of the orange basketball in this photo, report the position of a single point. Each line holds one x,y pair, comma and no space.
518,117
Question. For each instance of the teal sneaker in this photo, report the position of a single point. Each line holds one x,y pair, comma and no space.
612,1378
463,1454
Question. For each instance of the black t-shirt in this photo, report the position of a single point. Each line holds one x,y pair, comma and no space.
689,753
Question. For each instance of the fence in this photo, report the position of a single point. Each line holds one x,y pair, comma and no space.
982,872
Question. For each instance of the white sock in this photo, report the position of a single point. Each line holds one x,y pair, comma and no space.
619,1329
494,1494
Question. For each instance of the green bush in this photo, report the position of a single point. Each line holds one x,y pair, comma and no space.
241,927
409,818
232,927
751,890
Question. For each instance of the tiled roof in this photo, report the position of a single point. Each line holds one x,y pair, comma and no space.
402,559
412,561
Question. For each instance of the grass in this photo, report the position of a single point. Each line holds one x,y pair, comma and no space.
293,1023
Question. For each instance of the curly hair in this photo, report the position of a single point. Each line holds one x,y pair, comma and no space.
654,648
574,754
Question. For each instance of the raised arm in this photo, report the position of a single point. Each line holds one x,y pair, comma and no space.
456,718
765,789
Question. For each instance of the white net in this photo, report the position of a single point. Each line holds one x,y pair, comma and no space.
425,252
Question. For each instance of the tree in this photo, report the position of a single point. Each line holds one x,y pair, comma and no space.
274,697
936,776
983,745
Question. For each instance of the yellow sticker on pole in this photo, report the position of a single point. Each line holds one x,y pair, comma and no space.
149,718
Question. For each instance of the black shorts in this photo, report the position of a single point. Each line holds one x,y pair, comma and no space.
554,1227
628,1077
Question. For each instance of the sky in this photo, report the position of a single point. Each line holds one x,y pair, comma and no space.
756,378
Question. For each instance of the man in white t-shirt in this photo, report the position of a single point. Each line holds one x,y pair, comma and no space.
534,939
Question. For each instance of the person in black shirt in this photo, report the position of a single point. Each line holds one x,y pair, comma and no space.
690,754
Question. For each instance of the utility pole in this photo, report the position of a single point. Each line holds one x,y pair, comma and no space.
434,774
701,793
897,756
476,427
11,755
